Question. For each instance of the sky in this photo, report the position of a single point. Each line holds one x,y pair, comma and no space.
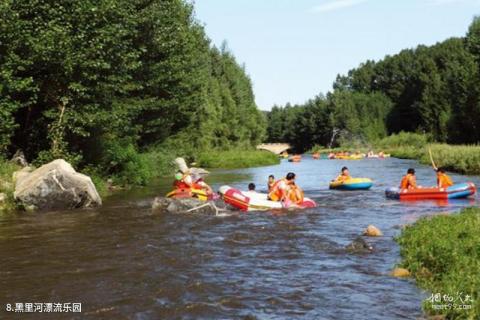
294,49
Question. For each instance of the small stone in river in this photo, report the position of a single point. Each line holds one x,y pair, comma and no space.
400,273
359,245
372,231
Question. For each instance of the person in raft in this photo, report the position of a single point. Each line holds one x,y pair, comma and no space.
184,180
286,190
271,182
443,180
344,175
409,181
251,187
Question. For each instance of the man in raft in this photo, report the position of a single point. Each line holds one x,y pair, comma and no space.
344,175
443,180
409,181
286,190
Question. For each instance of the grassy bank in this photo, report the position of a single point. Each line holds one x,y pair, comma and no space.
458,158
6,184
443,255
233,159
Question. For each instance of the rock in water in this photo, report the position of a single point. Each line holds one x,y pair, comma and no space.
372,231
400,273
55,185
171,205
359,245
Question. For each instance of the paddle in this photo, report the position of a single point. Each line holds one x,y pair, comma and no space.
431,159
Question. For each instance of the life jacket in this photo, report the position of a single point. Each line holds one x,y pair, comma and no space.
341,177
277,193
295,194
181,184
444,181
406,182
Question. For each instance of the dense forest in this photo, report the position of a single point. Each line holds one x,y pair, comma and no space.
433,90
99,81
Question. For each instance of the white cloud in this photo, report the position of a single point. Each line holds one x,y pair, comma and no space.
336,5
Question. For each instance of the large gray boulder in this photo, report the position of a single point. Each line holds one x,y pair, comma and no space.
55,185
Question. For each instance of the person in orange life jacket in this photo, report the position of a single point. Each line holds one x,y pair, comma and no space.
271,182
295,194
409,181
443,180
186,181
344,175
282,187
203,185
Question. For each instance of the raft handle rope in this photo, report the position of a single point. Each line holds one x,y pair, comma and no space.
208,204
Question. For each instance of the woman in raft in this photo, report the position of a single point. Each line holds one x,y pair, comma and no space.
286,190
344,175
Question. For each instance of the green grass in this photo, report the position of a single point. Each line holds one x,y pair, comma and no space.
6,184
233,159
443,255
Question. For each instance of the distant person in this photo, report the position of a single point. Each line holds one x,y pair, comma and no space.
251,187
282,187
409,181
443,180
271,182
344,175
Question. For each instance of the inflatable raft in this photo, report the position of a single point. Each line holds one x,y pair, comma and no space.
253,201
352,184
457,191
190,193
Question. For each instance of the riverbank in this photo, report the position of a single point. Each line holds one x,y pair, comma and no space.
442,254
6,184
236,159
137,169
464,159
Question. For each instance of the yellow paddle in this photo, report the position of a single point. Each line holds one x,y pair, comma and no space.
431,159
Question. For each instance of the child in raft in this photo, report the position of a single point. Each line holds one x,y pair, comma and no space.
443,180
344,175
271,182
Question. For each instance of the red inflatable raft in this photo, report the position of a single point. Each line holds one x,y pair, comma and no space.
457,191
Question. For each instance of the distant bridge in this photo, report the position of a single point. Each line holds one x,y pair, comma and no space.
276,148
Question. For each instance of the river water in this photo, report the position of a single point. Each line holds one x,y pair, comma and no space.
124,261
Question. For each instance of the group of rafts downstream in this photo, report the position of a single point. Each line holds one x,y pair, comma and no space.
279,191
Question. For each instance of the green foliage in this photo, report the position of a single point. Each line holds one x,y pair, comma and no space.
7,169
442,254
76,75
236,158
459,158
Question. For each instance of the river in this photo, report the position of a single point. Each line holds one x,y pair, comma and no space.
123,261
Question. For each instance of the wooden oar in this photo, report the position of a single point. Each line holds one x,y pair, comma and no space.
431,159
